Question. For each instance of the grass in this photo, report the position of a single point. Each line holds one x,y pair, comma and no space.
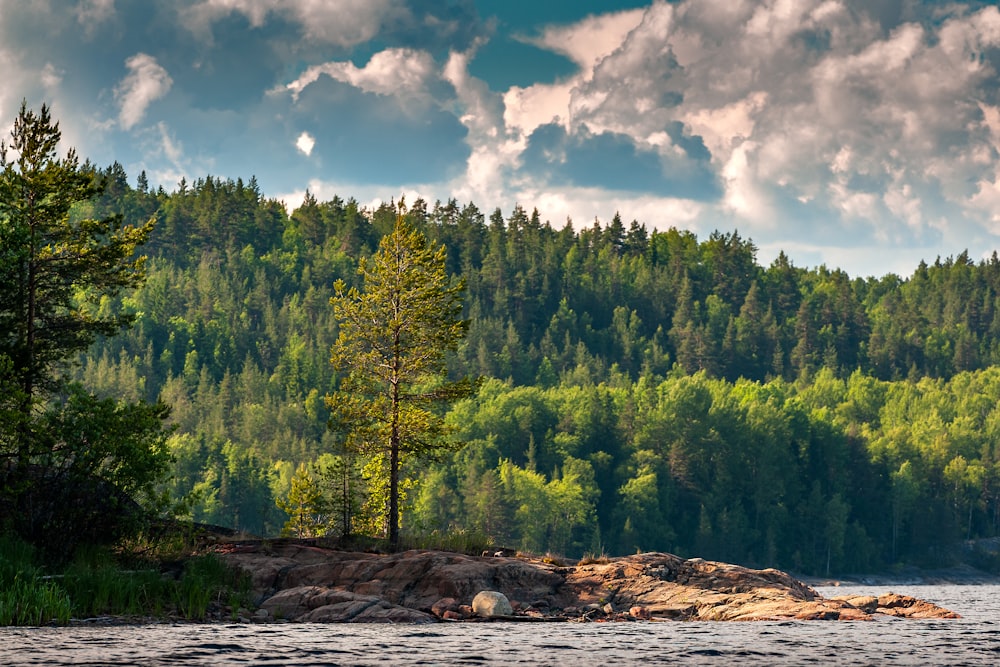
26,597
99,582
594,559
26,600
469,542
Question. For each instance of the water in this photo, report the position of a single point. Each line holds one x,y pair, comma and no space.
971,640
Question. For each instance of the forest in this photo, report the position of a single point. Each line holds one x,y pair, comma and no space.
640,389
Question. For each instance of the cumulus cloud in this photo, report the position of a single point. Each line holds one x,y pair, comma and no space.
493,154
305,143
809,111
145,83
401,72
341,22
589,41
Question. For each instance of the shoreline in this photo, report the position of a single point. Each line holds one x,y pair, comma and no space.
958,575
304,582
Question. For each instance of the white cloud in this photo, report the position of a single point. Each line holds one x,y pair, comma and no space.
724,128
582,205
305,143
51,76
91,13
340,22
586,43
146,82
397,72
527,108
172,149
589,41
800,103
493,154
343,22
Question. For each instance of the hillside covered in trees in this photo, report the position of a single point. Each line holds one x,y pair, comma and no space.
644,390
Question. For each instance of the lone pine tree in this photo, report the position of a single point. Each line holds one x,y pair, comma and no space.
394,333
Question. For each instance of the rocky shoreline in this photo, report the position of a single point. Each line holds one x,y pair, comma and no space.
304,582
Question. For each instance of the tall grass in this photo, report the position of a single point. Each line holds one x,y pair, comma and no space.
468,542
26,597
96,584
207,580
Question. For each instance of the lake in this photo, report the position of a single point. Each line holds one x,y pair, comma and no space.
972,640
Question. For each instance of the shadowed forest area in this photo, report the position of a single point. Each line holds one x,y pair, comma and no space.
643,390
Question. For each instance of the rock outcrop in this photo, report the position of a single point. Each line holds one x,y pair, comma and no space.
304,582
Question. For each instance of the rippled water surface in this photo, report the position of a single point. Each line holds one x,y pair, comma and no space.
972,640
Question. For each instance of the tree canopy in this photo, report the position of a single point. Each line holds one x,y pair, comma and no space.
646,387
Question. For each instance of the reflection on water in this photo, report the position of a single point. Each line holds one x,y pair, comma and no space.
972,640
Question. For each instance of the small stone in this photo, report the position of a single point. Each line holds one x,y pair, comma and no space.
444,605
451,615
608,609
261,615
641,613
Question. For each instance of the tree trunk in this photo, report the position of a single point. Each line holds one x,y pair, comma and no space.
394,452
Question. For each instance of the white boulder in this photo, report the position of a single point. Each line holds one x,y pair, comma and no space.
491,603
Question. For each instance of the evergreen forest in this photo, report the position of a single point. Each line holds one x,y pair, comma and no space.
640,389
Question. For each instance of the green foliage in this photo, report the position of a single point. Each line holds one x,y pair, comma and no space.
98,586
471,543
207,580
341,491
97,483
29,601
304,506
25,597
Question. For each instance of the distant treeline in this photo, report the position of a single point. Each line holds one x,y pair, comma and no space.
651,390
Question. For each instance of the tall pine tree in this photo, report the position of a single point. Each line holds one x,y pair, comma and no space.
394,333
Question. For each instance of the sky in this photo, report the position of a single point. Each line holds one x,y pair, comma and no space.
859,134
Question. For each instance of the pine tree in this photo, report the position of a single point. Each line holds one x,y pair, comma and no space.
59,269
303,505
394,333
55,266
